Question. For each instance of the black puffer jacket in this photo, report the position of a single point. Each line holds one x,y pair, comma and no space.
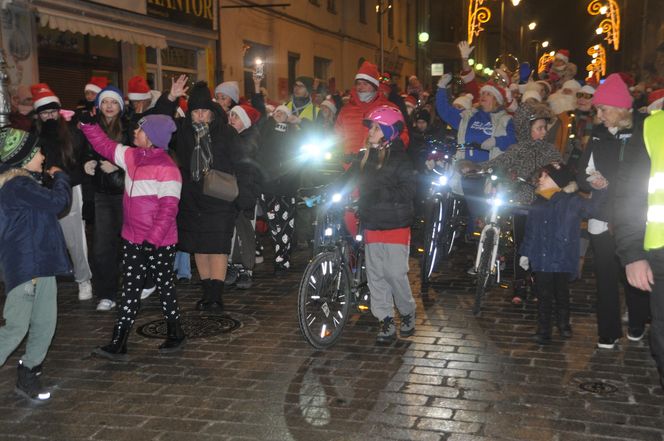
280,169
386,194
608,151
247,170
526,157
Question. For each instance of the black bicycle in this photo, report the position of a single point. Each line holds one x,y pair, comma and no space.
442,217
334,283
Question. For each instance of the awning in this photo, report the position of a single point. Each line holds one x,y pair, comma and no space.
65,21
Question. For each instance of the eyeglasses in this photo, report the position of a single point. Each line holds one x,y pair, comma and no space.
49,113
584,95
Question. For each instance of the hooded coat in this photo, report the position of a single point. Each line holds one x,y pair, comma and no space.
205,224
31,240
526,157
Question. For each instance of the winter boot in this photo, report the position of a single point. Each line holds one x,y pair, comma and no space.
543,334
117,349
204,302
387,332
175,338
28,384
564,326
212,296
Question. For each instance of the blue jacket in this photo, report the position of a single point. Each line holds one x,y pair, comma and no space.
31,240
479,127
553,229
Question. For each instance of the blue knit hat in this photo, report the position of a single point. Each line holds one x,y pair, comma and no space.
158,128
110,92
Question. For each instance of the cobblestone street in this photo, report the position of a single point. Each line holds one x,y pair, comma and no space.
460,378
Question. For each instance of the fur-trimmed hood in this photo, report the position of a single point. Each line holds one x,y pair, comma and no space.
8,173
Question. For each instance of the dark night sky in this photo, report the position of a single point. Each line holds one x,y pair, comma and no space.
566,24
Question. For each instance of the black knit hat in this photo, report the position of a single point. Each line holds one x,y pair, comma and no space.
17,147
200,97
307,81
560,174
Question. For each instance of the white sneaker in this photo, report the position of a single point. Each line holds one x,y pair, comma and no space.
147,292
85,290
105,305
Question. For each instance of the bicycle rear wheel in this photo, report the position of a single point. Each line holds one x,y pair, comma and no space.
432,250
483,269
324,300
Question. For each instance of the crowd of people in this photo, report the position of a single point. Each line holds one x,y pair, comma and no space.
138,167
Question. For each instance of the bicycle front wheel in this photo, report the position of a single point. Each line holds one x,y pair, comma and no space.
483,269
432,250
324,300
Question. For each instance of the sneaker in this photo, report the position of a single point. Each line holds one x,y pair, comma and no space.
259,255
105,305
85,290
607,343
635,334
147,292
29,386
243,280
407,326
231,275
472,271
387,332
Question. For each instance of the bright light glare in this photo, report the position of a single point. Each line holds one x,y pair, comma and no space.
603,10
258,61
423,37
328,232
471,61
598,31
358,238
545,44
494,177
532,25
442,180
336,197
516,2
497,202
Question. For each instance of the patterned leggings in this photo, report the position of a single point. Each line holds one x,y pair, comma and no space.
280,212
136,263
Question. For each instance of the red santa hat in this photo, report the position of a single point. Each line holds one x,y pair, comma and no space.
183,107
369,72
497,91
138,89
43,97
247,114
562,54
410,100
96,84
655,100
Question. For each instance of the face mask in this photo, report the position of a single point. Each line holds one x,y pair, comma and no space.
365,97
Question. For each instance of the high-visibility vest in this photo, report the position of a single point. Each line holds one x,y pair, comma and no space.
653,135
309,112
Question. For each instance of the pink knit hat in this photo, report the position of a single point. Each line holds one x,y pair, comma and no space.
613,92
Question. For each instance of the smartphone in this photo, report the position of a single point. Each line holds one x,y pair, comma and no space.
258,68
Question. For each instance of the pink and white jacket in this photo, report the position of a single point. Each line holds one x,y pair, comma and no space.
152,188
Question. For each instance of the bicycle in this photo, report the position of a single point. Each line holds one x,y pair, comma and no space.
488,260
442,220
334,282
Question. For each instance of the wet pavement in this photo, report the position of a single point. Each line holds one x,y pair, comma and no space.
460,378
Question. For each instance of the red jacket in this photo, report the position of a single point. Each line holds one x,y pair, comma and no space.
350,127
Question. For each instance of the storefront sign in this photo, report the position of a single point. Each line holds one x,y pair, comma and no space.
127,5
199,13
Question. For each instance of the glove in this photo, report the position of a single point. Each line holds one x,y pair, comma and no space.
87,118
489,143
89,167
524,262
108,167
444,81
465,49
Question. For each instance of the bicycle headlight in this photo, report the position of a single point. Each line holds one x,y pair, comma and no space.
496,202
494,177
442,180
358,238
328,232
336,197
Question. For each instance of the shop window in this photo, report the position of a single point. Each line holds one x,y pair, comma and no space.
363,11
293,61
331,6
321,68
165,64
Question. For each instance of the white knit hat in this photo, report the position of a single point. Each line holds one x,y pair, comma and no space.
588,89
530,93
465,100
230,89
284,109
572,85
329,103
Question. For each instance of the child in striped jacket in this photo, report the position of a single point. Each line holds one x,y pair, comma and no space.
149,230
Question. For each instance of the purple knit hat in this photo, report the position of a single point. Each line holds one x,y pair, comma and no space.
158,128
613,92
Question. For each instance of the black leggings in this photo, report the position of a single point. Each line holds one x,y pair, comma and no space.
137,263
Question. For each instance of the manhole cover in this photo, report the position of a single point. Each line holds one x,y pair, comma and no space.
199,326
598,387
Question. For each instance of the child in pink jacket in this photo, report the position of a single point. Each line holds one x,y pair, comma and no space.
149,231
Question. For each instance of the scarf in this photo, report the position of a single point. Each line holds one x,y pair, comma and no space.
201,158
